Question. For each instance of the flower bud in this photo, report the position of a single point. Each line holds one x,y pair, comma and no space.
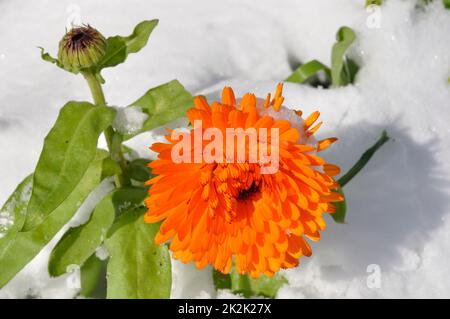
81,48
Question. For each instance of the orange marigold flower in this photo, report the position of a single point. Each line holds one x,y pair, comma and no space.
229,212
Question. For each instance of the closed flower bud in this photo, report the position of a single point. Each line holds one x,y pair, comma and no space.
81,48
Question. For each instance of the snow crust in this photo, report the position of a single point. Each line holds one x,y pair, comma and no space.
396,242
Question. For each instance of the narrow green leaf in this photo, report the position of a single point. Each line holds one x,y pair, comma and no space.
68,150
341,209
363,160
79,243
119,47
12,214
90,275
350,70
307,70
18,248
163,104
137,268
345,37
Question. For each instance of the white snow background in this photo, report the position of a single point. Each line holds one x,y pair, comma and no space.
398,206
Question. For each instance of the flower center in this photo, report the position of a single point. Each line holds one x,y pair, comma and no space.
81,39
247,192
78,36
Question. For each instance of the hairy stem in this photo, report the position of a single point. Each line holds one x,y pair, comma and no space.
113,140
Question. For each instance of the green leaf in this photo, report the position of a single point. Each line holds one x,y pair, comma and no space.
240,284
68,150
247,286
47,57
350,70
342,71
221,281
446,3
137,268
14,210
139,38
363,160
341,208
79,243
19,248
267,287
119,47
163,104
129,198
116,53
90,275
139,171
307,70
345,37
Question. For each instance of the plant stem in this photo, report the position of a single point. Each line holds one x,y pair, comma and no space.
113,140
95,87
363,160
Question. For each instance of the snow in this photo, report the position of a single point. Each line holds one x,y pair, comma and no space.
189,282
398,227
7,218
6,221
284,113
129,120
102,253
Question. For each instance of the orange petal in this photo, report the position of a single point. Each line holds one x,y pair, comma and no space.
331,170
228,96
311,119
323,144
278,92
201,104
267,101
248,101
277,104
313,129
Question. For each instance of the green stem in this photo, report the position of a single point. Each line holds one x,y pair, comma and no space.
113,140
95,87
364,159
241,284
